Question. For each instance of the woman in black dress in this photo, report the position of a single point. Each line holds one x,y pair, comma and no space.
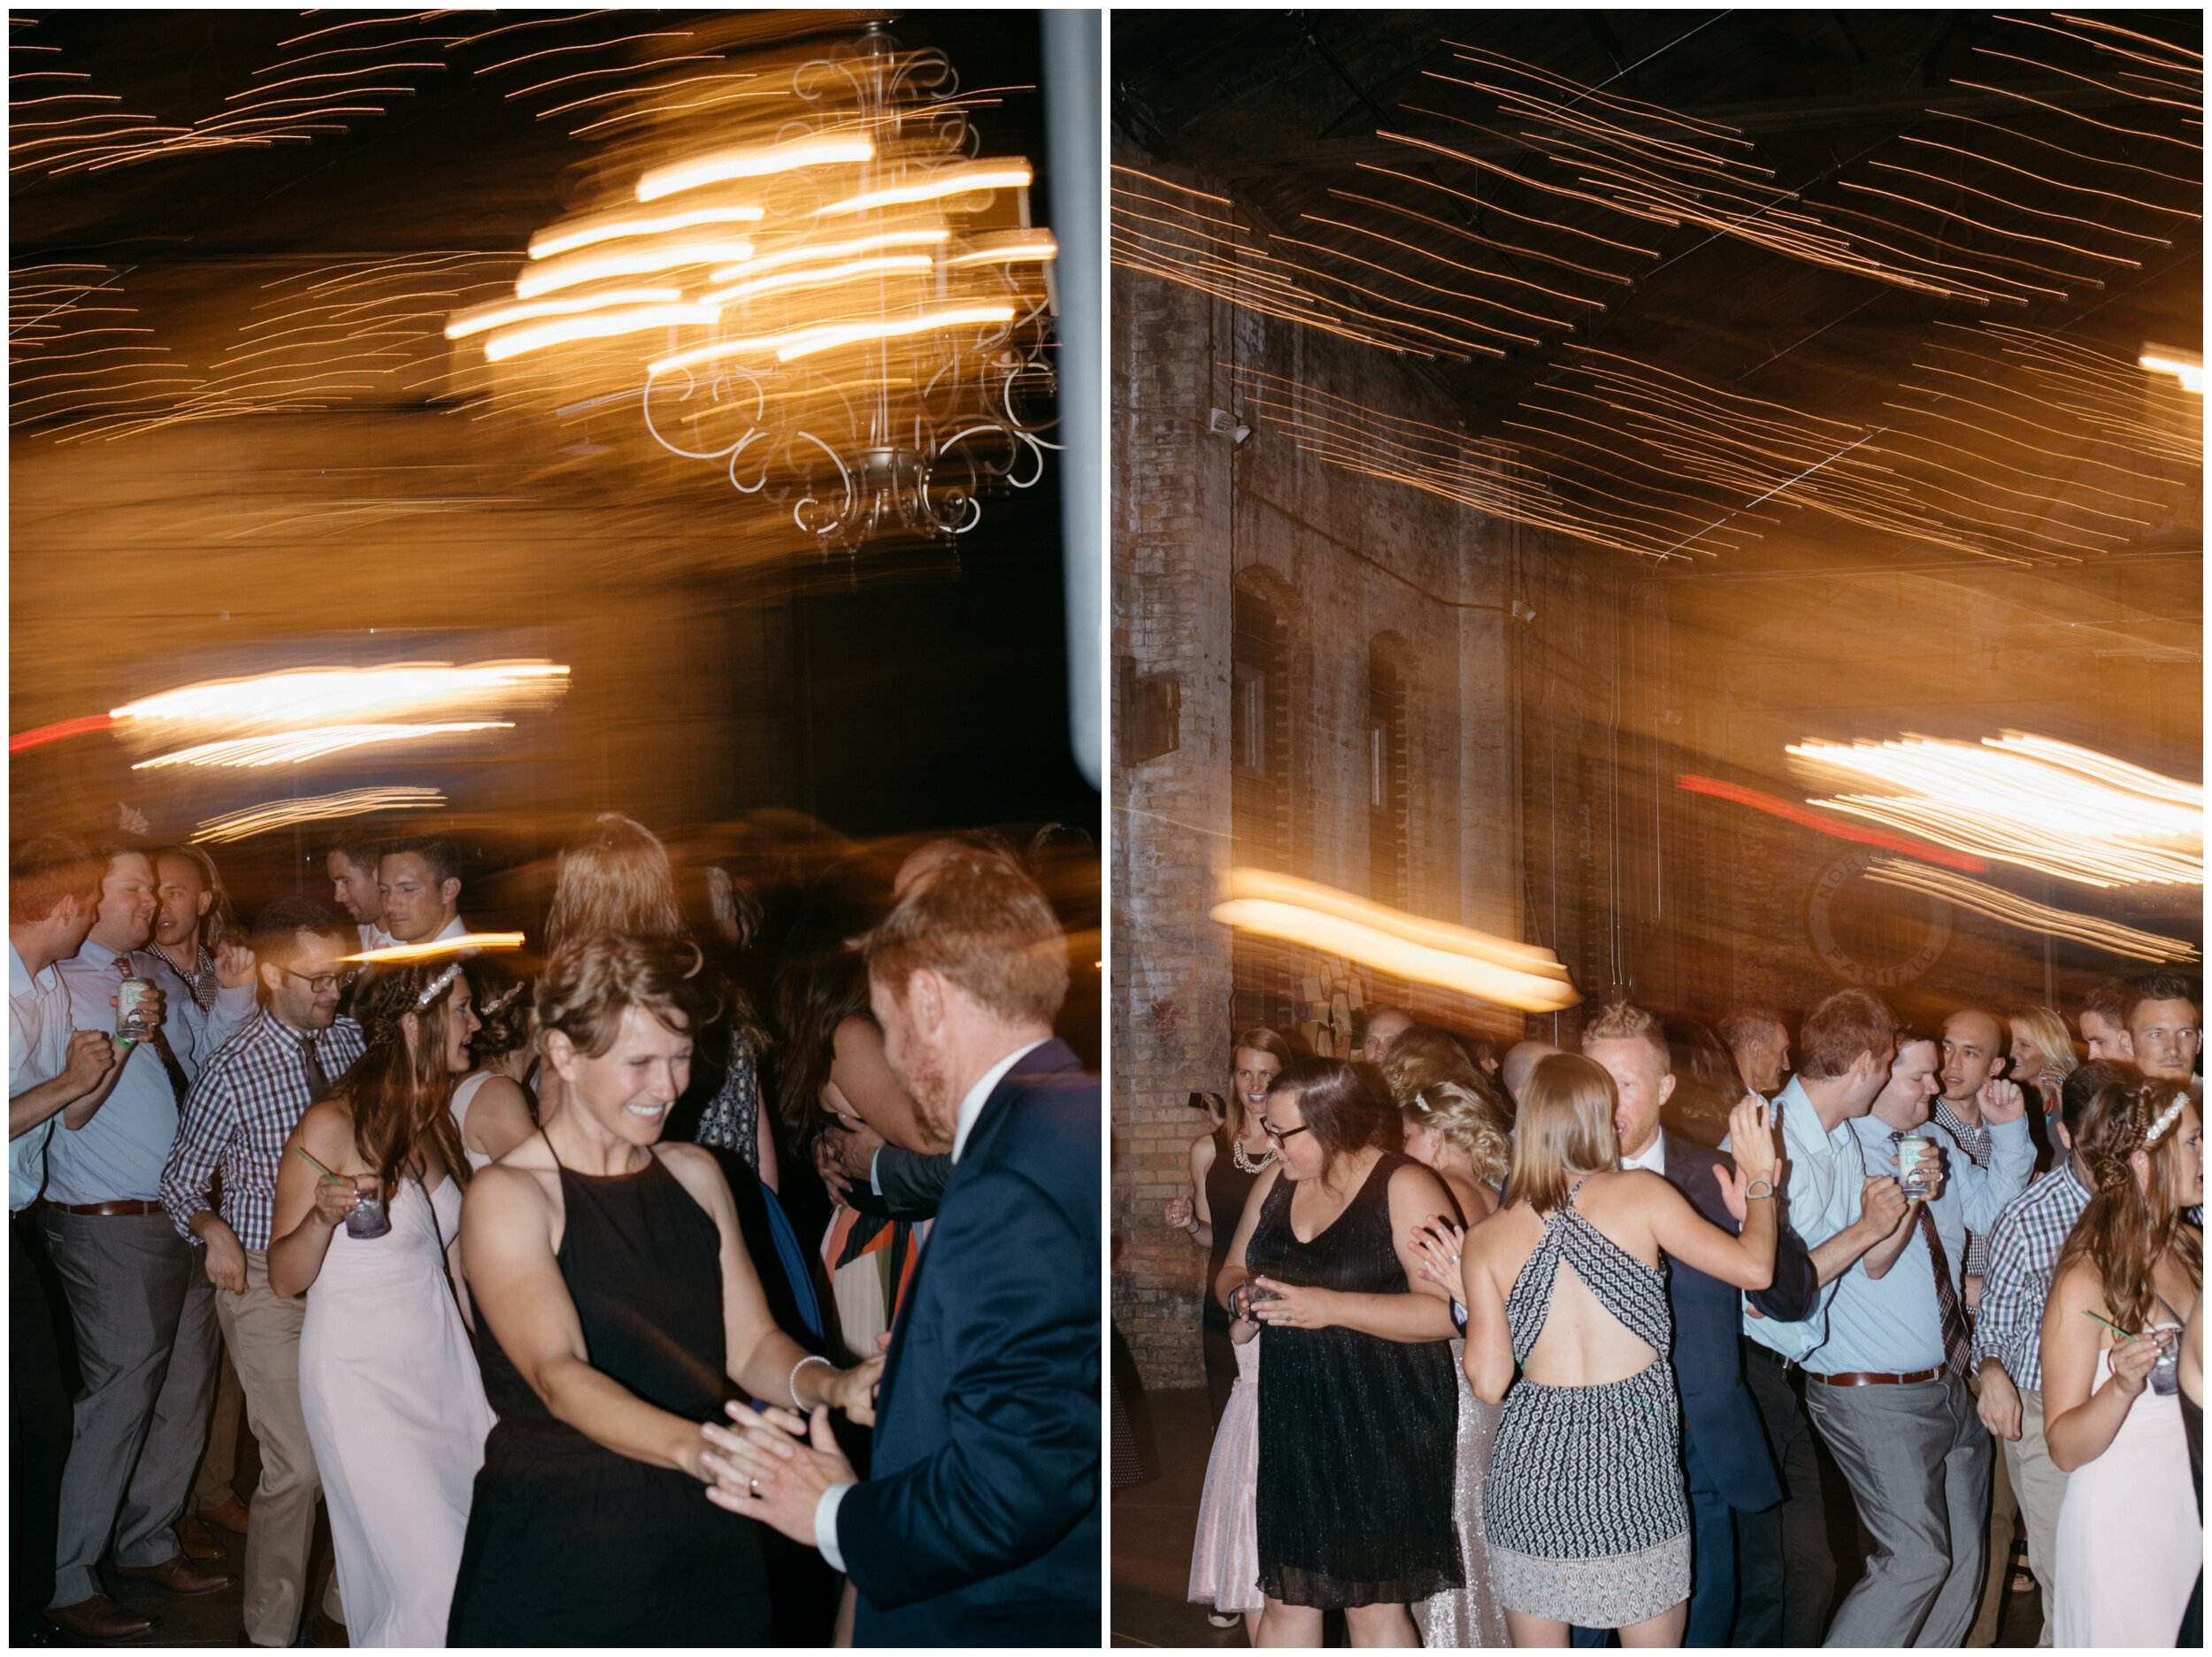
1223,1165
1357,1404
617,1306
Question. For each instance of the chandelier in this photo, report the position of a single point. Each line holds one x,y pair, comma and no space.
831,296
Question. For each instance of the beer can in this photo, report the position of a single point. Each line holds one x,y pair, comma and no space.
1913,1176
129,996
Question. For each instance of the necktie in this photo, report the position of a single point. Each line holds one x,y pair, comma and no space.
1948,1313
311,1065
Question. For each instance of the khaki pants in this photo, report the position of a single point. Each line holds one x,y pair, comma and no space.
218,1465
262,1330
2003,1509
2041,1488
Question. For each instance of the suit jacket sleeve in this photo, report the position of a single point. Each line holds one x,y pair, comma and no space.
1018,1465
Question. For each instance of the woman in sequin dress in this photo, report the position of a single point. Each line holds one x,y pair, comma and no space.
1586,1509
1355,1395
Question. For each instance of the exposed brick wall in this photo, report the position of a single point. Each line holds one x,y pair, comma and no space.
1347,558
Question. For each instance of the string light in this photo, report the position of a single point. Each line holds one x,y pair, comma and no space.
278,814
293,748
2038,918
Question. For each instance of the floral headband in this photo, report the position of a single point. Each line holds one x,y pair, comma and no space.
2171,1114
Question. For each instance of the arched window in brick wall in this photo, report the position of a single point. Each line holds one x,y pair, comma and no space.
1260,664
1389,792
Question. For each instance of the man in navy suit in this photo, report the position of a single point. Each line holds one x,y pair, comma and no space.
979,1524
1724,1449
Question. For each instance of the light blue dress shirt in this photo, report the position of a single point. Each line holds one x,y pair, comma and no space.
38,1051
118,1156
1825,1178
1891,1325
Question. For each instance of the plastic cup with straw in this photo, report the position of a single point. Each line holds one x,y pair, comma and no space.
367,1217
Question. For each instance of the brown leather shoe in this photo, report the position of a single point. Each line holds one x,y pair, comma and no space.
99,1618
231,1515
327,1631
179,1576
195,1539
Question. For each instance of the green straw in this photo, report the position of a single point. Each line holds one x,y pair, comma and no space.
2108,1323
327,1174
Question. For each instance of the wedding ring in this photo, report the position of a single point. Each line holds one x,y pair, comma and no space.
752,1488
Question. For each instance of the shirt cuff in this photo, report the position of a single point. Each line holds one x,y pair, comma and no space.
825,1523
875,1185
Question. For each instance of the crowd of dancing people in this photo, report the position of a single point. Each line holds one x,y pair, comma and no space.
1554,1347
647,1286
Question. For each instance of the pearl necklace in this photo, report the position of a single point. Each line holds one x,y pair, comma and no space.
1244,1161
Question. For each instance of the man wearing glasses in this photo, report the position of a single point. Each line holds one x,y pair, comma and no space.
237,1118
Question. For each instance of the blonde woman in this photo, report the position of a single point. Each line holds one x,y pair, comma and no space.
2042,1058
1608,1545
1460,1132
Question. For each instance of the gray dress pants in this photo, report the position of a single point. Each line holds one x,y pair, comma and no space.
1918,1459
144,1315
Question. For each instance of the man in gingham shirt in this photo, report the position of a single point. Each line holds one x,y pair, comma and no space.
2024,1248
237,1118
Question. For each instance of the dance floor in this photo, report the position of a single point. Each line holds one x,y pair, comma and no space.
1152,1523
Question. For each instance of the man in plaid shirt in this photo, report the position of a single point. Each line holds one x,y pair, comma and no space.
2024,1248
236,1119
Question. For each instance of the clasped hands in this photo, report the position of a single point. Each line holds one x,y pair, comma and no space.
772,1464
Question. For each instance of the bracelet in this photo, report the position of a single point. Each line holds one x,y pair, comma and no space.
792,1385
1753,1192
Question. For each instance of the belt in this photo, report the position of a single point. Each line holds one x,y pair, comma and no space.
1853,1377
132,1206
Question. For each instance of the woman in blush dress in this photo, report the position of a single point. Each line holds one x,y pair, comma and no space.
1460,1132
389,1386
1224,1166
2131,1541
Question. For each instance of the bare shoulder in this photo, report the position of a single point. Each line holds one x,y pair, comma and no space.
697,1171
1417,1184
327,1129
1203,1151
501,1092
2079,1286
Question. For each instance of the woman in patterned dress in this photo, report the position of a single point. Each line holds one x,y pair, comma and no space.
1588,1521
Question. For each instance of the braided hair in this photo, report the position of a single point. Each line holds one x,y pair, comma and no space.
2132,1221
401,1097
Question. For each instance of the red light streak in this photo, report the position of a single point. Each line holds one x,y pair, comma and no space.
40,735
1805,818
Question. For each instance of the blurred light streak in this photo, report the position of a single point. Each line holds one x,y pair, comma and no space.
323,694
597,325
276,813
393,955
2186,367
1790,811
957,179
578,233
1408,947
292,748
667,256
501,312
751,161
38,736
827,339
2049,806
1999,905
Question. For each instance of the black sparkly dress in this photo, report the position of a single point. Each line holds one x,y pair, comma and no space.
1355,1503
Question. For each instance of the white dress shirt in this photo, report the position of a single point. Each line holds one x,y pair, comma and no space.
1652,1159
971,1108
